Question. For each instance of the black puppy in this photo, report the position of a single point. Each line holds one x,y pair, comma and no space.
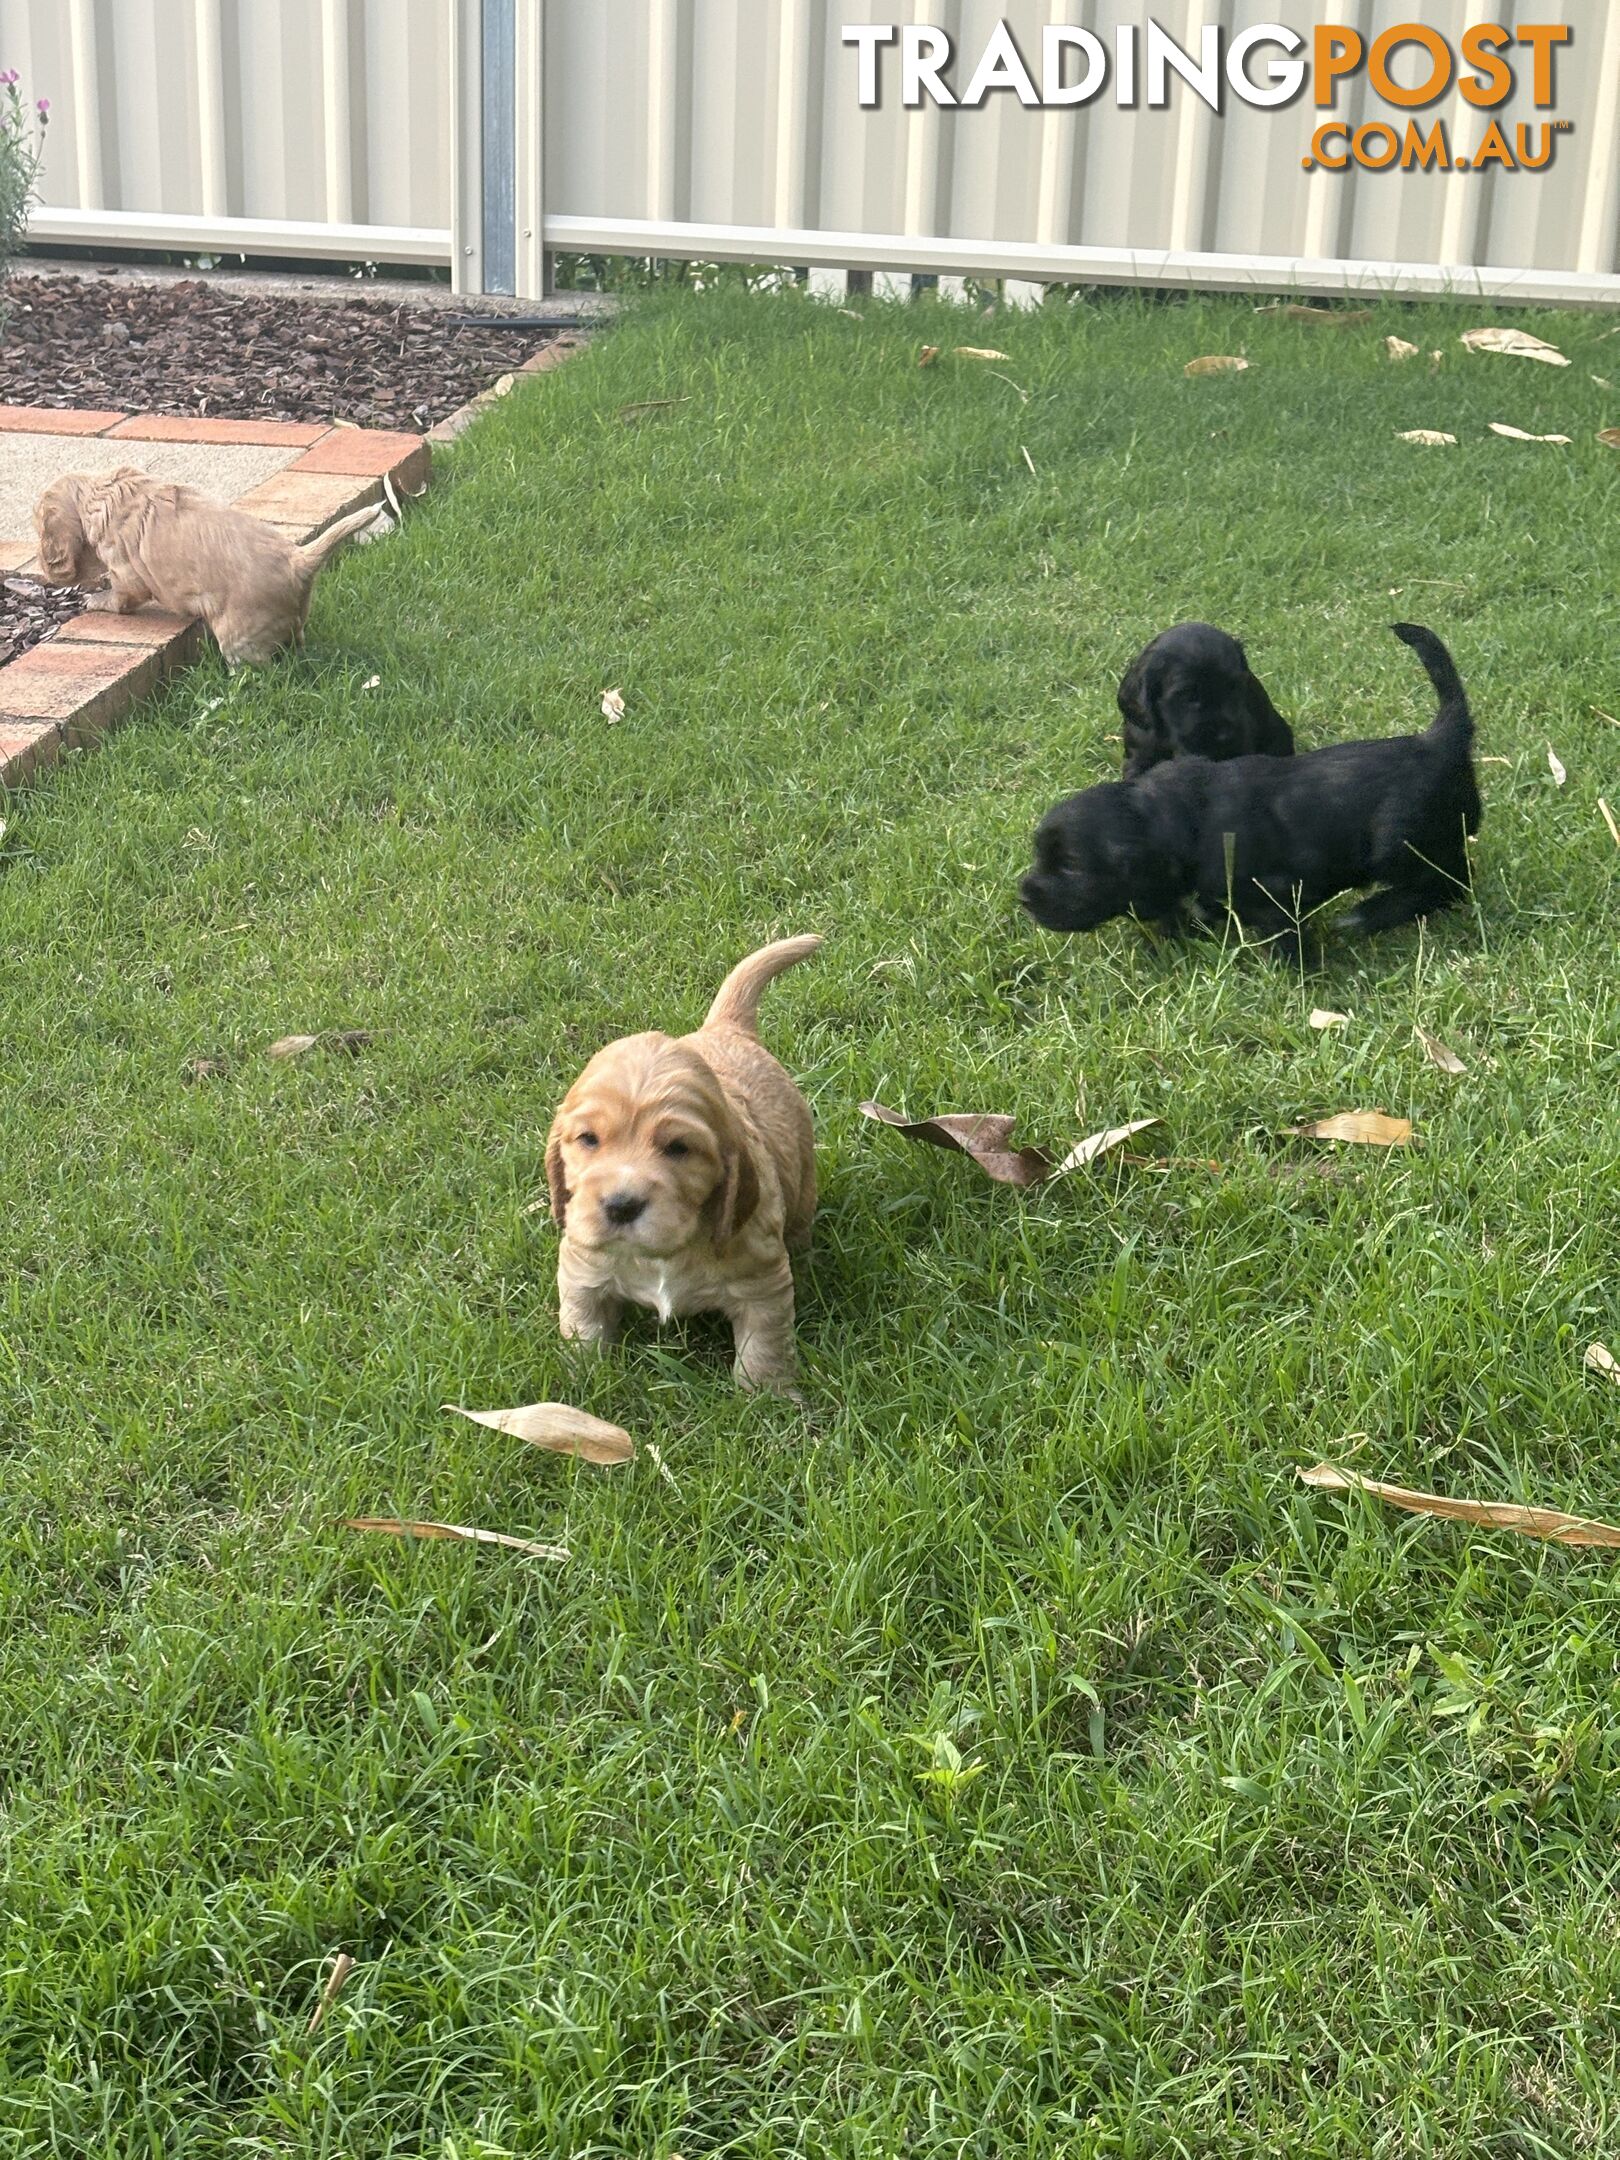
1270,839
1191,694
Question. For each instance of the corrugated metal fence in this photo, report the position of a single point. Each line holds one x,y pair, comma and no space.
487,134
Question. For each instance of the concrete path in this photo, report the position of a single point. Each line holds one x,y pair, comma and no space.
29,463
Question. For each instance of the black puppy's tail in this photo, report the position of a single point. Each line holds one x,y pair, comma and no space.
1453,716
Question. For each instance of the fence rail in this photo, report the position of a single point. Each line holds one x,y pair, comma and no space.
485,135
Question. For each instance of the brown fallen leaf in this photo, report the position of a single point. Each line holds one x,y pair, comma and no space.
628,413
1437,361
1103,1143
1398,349
612,706
1603,383
986,1137
978,352
1216,364
559,1428
201,1068
1366,1128
395,1526
1517,434
928,355
1600,1358
1432,436
1321,1018
1437,1053
1519,344
1533,1522
1555,765
351,1041
342,1966
1608,819
1610,437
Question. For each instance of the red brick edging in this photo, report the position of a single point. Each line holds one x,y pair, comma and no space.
69,691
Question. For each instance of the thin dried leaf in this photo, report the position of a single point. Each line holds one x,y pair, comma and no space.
1437,361
1600,1358
1432,436
985,1137
1533,1522
1398,349
1518,343
1437,1053
1103,1143
201,1068
342,1966
627,413
1608,819
928,355
1030,462
1610,437
853,314
1216,364
558,1428
1603,383
350,1040
395,1526
978,352
1555,765
1366,1128
372,682
612,707
1496,761
291,1046
1517,434
1321,1018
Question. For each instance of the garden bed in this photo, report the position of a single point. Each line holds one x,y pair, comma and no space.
192,347
30,611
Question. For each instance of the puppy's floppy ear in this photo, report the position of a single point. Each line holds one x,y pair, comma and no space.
1133,703
556,1178
738,1193
60,538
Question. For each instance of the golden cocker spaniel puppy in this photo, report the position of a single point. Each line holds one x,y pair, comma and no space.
156,540
682,1172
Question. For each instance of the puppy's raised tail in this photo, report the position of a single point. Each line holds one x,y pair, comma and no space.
1453,716
737,1005
317,553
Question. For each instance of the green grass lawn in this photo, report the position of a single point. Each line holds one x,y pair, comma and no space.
1007,1756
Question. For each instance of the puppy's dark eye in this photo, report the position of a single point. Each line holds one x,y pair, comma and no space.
586,1139
675,1149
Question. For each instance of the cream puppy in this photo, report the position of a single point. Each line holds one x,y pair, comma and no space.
156,540
682,1171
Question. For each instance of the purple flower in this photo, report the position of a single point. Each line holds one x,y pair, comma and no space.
9,77
43,107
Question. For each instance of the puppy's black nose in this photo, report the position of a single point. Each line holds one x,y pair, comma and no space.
624,1207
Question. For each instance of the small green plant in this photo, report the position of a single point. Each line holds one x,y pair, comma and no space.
22,145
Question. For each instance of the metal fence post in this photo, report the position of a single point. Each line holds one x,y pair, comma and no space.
532,261
466,146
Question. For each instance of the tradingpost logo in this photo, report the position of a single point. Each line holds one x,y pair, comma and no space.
1268,64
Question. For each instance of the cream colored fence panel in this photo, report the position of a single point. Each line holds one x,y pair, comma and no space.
303,127
485,133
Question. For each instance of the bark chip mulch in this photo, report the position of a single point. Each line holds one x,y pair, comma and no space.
194,348
30,612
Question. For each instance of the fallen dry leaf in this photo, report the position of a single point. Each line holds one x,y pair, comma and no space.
342,1966
395,1526
1603,383
1030,462
978,352
1398,349
1600,1358
1555,765
1517,434
372,682
1496,761
1488,1514
1608,819
349,1040
1321,1018
612,706
1437,361
1518,343
928,355
986,1138
559,1428
201,1068
1367,1128
1425,435
628,413
1610,437
1103,1143
1215,364
1437,1053
853,315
